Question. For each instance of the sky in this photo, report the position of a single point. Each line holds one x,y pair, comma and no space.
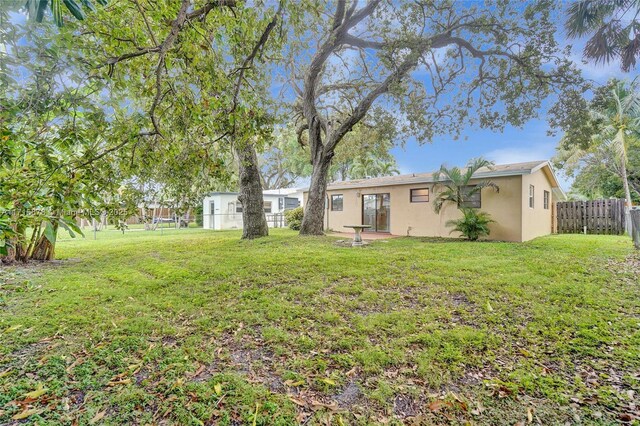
510,146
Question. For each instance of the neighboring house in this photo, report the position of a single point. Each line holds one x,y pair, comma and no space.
403,205
223,210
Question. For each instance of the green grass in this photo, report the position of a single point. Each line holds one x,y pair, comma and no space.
197,327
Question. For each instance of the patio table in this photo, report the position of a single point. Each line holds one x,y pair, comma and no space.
357,238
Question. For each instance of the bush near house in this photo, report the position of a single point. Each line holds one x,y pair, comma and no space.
294,218
473,224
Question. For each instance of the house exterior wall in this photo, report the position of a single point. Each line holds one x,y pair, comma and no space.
514,221
537,221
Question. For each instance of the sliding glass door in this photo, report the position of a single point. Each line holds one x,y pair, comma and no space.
376,210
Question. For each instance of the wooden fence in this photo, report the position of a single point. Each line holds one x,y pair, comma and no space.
599,216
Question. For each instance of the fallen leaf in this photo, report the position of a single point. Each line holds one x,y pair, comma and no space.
489,307
530,414
40,390
297,401
625,417
525,352
217,388
74,364
119,382
99,416
255,414
438,405
294,384
316,405
26,413
198,371
5,373
478,410
13,328
328,381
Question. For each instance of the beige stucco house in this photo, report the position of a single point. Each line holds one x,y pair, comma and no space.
403,205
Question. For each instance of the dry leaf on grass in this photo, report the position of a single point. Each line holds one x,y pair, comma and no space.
40,390
99,416
26,413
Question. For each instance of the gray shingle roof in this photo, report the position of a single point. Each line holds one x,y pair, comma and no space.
513,169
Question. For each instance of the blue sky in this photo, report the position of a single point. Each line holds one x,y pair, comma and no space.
512,145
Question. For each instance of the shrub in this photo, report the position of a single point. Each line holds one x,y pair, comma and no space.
199,212
294,218
473,224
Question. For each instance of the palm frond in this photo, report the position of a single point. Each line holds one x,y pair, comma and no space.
606,42
36,9
584,16
485,184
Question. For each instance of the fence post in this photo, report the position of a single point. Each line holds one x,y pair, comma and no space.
635,226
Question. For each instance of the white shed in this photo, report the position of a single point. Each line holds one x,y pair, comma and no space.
223,210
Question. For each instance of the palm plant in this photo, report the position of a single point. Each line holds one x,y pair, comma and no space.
613,26
388,168
619,122
454,183
473,224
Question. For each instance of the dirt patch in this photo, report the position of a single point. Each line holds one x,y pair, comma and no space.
405,406
460,299
169,342
350,396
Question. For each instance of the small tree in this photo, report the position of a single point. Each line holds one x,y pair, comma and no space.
455,183
473,224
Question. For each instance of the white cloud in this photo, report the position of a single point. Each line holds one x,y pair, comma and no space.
599,72
541,151
520,154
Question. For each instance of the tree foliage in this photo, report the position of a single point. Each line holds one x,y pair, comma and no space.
364,152
195,75
57,159
603,134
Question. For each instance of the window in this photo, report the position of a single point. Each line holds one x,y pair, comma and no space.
546,200
238,207
336,203
471,199
267,206
532,191
419,195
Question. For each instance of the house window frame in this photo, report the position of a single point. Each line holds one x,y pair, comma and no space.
411,200
465,205
532,196
239,207
333,206
546,199
267,206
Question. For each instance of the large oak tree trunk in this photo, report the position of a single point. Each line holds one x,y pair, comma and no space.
254,223
313,219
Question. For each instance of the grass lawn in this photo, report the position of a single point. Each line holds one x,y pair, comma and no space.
196,327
